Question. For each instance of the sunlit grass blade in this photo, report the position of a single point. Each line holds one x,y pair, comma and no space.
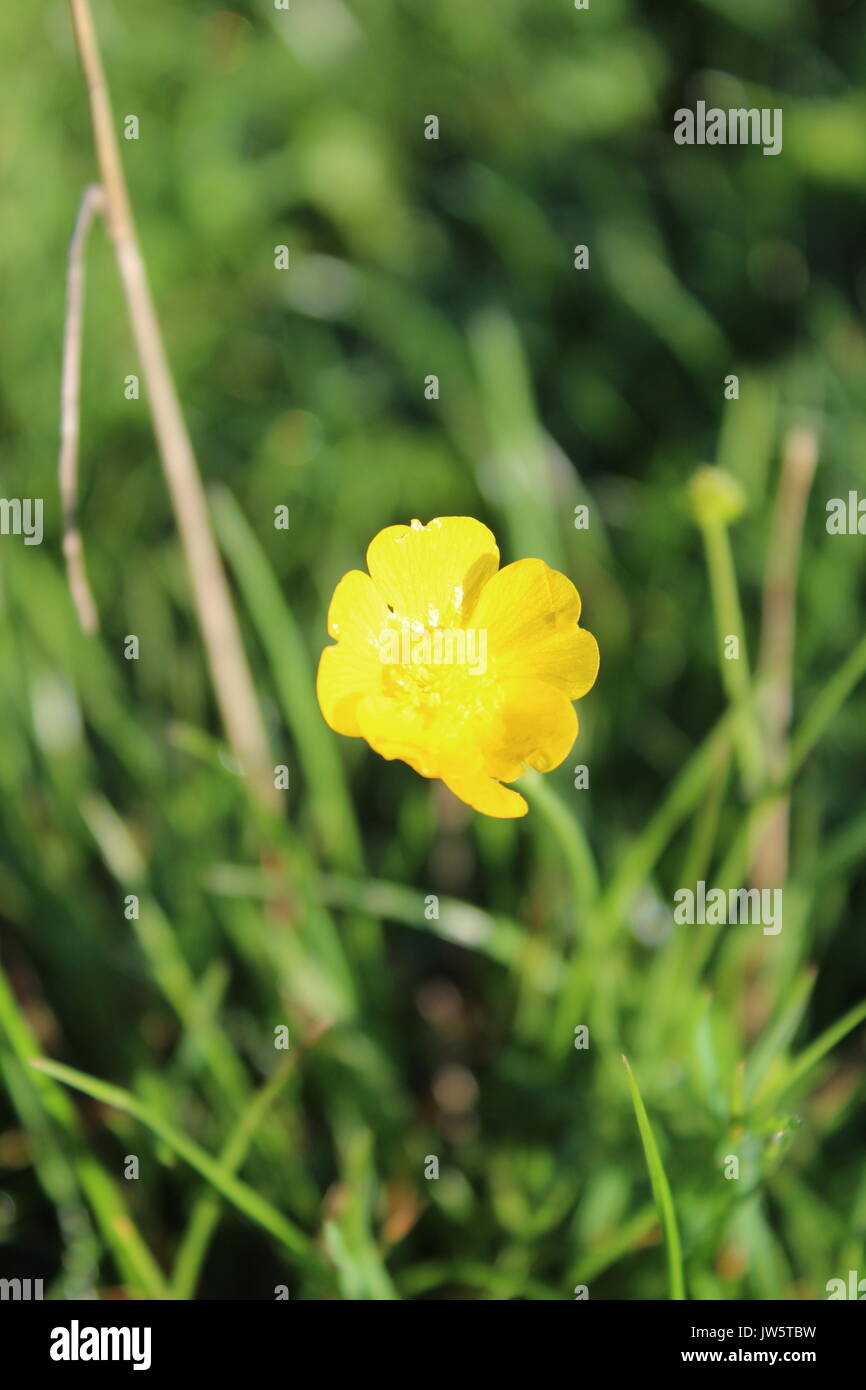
661,1191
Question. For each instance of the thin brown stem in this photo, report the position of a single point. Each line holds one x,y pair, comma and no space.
92,203
232,682
778,623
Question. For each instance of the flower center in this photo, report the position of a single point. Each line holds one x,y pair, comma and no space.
438,670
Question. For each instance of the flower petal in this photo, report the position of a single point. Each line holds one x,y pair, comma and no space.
343,679
530,613
433,574
357,616
487,796
433,747
358,613
535,727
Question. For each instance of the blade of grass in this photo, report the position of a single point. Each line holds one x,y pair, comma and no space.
661,1190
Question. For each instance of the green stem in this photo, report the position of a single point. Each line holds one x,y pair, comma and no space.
569,833
736,678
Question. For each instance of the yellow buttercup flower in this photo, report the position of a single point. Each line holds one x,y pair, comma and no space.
463,670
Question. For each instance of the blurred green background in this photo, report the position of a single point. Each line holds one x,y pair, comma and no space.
414,1037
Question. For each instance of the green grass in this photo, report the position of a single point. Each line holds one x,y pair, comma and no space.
661,1191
